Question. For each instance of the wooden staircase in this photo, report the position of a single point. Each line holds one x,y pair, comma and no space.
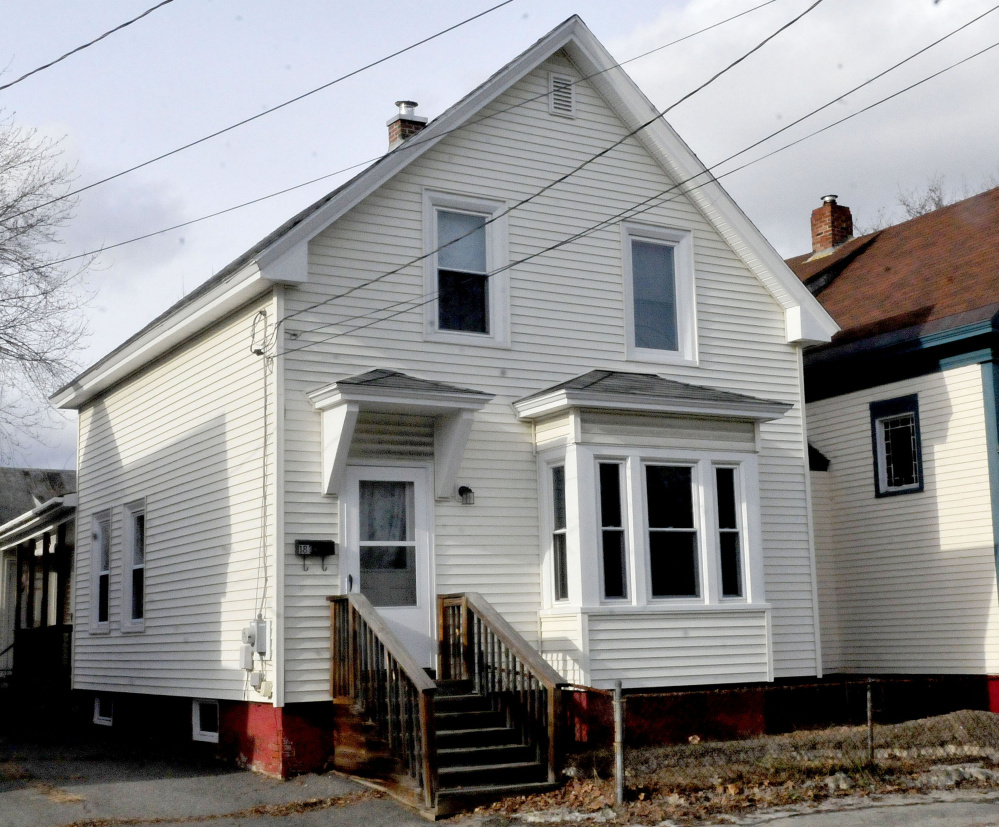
481,757
488,728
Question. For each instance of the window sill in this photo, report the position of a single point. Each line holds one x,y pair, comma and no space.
654,609
100,628
133,628
659,357
458,337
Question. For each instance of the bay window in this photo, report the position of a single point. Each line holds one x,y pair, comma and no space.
665,529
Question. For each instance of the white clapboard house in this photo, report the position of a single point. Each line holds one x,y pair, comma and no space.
512,460
902,408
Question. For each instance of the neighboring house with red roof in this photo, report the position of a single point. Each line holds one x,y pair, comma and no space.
902,411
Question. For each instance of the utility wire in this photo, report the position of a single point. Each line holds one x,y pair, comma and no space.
628,213
413,143
502,213
259,115
85,45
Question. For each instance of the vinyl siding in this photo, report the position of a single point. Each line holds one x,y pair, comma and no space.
567,317
635,431
187,435
678,648
911,578
563,646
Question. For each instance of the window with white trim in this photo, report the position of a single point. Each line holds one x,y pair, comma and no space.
100,563
728,510
465,280
134,567
613,557
659,295
205,720
560,569
671,522
898,462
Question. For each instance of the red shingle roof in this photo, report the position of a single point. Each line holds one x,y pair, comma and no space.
938,265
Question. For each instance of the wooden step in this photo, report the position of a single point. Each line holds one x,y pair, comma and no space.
479,755
446,688
482,775
460,703
476,737
471,719
464,799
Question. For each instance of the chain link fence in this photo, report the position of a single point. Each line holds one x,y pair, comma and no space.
831,735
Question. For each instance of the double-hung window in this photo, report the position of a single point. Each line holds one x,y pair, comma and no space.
728,511
672,531
898,462
100,561
659,295
560,571
134,565
613,556
465,279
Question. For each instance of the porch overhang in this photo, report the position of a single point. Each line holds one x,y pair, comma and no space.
34,523
646,393
452,409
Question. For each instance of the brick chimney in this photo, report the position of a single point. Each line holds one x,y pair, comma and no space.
831,225
405,124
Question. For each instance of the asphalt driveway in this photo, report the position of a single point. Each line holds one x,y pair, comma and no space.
101,786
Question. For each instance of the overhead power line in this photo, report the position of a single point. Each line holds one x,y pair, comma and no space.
266,112
413,143
562,178
85,45
407,305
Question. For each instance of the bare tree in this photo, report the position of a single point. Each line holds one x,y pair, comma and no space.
40,298
933,195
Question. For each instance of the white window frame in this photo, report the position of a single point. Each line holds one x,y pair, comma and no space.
882,411
741,521
103,717
497,257
686,306
100,526
621,463
129,623
699,498
199,734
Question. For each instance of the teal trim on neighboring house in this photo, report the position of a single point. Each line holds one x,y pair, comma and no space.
990,392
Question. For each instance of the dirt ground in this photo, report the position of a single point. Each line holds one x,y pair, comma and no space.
694,782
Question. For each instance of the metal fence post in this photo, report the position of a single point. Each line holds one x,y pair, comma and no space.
618,745
870,723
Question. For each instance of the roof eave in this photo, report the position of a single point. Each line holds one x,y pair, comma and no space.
21,528
163,335
373,398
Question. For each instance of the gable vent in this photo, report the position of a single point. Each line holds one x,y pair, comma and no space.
561,95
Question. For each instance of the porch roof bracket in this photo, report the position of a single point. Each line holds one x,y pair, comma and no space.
452,409
338,430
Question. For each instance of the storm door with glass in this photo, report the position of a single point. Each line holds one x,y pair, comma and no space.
386,553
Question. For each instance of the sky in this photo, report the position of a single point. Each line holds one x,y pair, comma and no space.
196,66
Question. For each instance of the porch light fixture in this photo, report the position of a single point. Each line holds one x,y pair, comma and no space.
467,495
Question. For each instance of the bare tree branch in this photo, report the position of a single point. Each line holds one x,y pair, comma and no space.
41,323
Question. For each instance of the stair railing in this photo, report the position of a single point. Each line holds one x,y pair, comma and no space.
370,667
477,644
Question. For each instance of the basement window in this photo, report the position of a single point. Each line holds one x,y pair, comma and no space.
205,721
561,95
103,710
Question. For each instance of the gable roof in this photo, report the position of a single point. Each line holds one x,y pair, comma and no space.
623,390
281,257
935,272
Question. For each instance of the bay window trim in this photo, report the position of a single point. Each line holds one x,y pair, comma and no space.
132,510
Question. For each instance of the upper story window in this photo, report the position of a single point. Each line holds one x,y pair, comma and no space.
134,567
100,562
659,295
465,242
898,463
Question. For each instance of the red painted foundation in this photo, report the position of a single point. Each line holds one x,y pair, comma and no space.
276,741
993,689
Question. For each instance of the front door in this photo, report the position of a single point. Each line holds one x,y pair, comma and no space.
386,550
